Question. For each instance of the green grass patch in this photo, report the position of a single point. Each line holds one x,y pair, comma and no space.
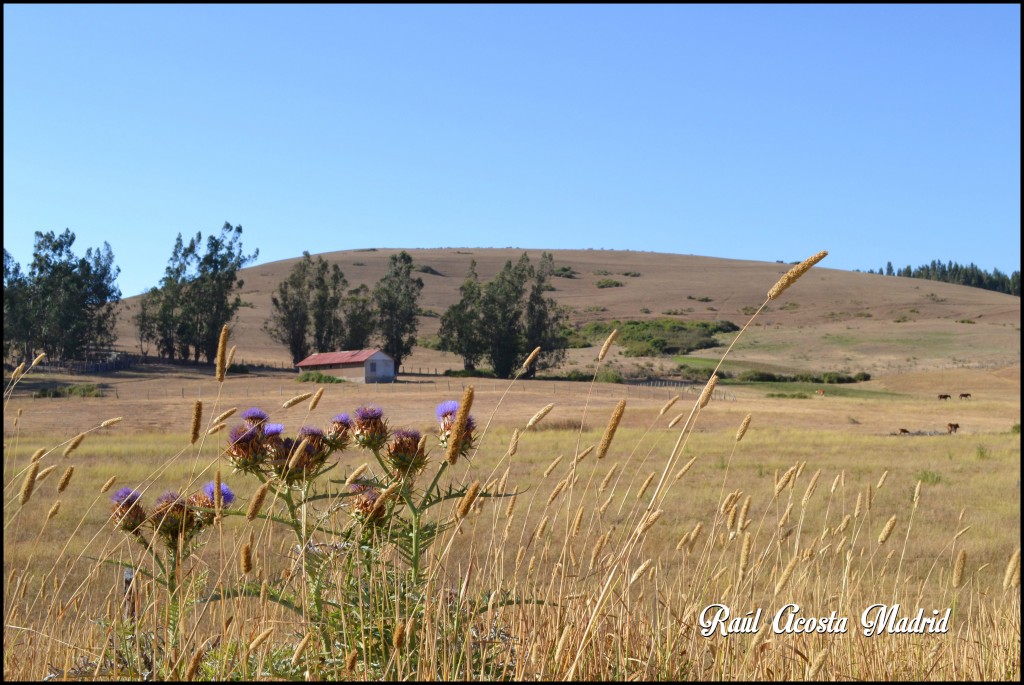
609,283
653,337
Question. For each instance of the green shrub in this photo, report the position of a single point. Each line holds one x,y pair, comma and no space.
609,283
657,336
759,377
463,373
84,390
317,377
698,375
609,376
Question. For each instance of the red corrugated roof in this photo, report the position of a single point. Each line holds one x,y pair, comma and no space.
350,357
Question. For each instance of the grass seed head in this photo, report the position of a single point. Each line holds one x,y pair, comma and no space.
791,276
889,525
316,399
529,360
958,568
1012,571
709,389
62,484
295,400
743,428
256,503
607,344
535,419
467,500
73,445
197,419
609,431
461,429
222,350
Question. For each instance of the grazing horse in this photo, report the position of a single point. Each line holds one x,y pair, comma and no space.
820,392
965,395
952,427
904,431
944,397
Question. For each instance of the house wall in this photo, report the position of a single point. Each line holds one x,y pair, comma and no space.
379,369
353,372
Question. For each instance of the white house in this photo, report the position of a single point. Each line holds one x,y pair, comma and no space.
369,366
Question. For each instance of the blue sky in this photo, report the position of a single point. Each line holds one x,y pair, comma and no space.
750,132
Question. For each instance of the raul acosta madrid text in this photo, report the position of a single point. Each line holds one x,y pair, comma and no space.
877,619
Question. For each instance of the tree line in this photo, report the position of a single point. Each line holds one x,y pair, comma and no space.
66,306
312,310
951,272
63,305
505,319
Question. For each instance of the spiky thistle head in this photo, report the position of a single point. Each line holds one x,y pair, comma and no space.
128,514
245,448
370,428
339,433
171,517
364,503
404,453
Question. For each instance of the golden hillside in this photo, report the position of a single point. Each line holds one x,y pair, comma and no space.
829,320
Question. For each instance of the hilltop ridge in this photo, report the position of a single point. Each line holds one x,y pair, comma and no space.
829,320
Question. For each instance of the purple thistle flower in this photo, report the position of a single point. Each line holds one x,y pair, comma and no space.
128,514
241,433
255,415
338,432
447,407
370,430
311,432
369,413
126,497
271,430
226,496
169,497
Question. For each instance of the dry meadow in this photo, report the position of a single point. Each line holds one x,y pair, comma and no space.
583,530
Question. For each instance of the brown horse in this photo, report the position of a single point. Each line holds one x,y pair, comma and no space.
820,392
904,431
944,397
952,428
965,395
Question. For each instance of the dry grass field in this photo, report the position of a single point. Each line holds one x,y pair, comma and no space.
598,568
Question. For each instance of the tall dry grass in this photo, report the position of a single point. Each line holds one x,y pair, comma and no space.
438,563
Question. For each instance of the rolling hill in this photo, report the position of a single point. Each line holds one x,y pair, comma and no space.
830,320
